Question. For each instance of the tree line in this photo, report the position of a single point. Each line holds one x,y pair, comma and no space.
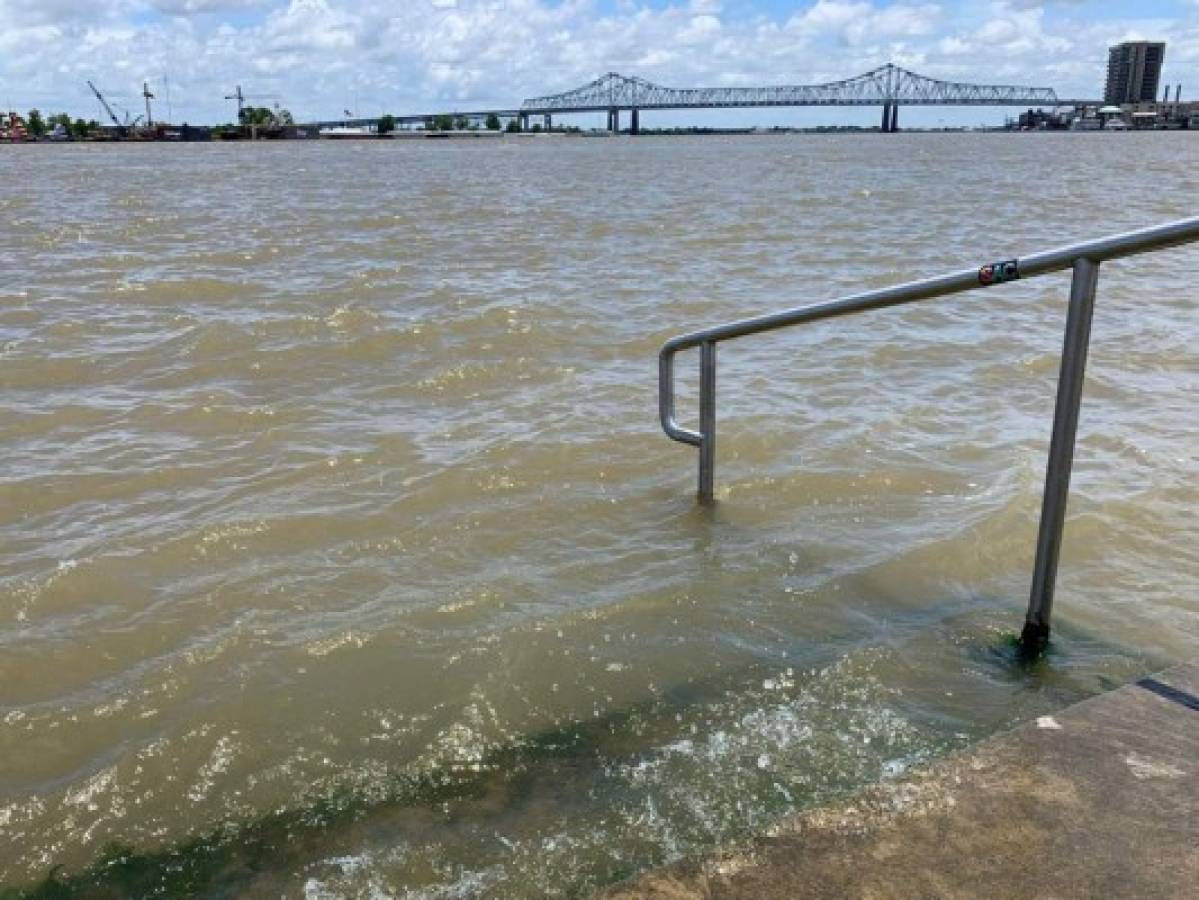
38,125
264,115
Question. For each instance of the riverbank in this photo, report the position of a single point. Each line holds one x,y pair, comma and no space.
1099,800
204,134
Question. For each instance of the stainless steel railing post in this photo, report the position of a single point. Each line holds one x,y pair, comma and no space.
1083,258
707,421
1061,454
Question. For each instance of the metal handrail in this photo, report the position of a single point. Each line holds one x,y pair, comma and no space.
1083,258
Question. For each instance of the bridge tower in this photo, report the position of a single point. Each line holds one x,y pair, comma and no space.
890,90
890,123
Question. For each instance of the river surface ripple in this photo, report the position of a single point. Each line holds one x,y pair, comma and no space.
341,554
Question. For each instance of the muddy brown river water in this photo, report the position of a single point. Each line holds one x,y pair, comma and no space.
341,553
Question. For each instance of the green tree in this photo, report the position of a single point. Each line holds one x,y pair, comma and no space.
443,123
460,123
387,125
35,124
265,116
513,126
493,122
257,115
80,128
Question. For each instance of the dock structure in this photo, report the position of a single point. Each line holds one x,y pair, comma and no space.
1099,800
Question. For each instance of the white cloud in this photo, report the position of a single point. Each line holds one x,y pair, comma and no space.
699,30
1018,30
20,13
193,7
309,25
420,55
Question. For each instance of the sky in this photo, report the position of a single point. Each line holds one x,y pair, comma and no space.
320,57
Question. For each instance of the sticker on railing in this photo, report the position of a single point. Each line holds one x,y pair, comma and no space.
997,273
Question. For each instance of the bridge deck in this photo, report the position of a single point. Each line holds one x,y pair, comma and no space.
888,85
1101,800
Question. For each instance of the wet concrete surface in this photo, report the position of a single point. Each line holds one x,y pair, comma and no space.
1100,800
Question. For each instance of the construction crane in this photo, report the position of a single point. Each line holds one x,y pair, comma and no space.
148,96
107,108
241,101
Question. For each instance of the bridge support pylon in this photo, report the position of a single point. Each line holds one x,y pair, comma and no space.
635,121
890,123
524,123
549,122
614,121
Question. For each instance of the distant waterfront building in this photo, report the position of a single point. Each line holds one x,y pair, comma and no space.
1133,71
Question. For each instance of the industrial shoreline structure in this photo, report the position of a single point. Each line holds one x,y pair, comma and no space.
1083,259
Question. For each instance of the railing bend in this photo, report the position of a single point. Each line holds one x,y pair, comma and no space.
1083,258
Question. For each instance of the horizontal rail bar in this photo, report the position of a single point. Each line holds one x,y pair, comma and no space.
1100,250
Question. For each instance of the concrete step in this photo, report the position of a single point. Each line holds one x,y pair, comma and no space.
1100,800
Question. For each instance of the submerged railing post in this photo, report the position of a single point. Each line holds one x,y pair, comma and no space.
1035,636
1084,258
707,421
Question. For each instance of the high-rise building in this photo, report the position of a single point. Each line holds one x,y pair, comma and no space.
1133,70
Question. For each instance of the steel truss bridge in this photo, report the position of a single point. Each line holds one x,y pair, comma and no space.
888,86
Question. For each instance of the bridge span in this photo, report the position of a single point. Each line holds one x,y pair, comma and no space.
889,87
